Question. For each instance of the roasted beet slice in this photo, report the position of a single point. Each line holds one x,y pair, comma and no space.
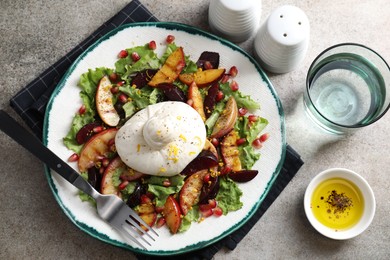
243,175
172,92
86,132
94,177
142,78
209,190
208,56
135,198
210,99
119,109
205,160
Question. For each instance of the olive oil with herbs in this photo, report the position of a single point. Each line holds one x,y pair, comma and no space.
337,203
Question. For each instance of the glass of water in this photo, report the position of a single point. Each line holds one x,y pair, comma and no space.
347,87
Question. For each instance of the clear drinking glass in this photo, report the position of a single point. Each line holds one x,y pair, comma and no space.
347,87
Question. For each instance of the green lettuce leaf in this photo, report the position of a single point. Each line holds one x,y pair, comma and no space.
77,123
192,215
156,186
242,100
142,97
248,155
168,51
89,80
88,83
210,122
229,195
148,60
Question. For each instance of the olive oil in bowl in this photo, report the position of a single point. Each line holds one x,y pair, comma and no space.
337,203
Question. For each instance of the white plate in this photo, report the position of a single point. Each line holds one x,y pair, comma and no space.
65,102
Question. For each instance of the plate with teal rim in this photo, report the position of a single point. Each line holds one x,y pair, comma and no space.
65,102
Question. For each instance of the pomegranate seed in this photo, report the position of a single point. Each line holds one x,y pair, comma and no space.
160,222
123,185
105,162
225,78
234,85
225,170
98,129
219,96
122,98
233,71
82,110
73,158
240,141
212,203
159,209
257,143
252,118
264,137
206,213
112,148
207,65
218,211
170,38
114,89
135,56
215,141
123,54
166,183
145,199
152,45
113,77
121,83
111,142
204,207
242,111
206,178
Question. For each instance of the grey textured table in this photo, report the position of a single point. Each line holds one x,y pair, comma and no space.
35,34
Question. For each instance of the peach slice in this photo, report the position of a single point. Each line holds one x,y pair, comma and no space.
170,70
189,193
202,78
104,102
172,214
196,97
147,213
227,119
128,174
97,147
230,152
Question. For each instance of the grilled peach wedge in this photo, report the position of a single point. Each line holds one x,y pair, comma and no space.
147,211
170,70
127,174
230,152
189,193
104,102
227,119
97,147
172,214
202,78
197,101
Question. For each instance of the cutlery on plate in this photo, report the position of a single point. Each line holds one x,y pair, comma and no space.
109,207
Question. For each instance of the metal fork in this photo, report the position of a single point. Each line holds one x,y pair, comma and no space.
110,207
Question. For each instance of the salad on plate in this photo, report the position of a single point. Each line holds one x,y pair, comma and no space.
173,137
